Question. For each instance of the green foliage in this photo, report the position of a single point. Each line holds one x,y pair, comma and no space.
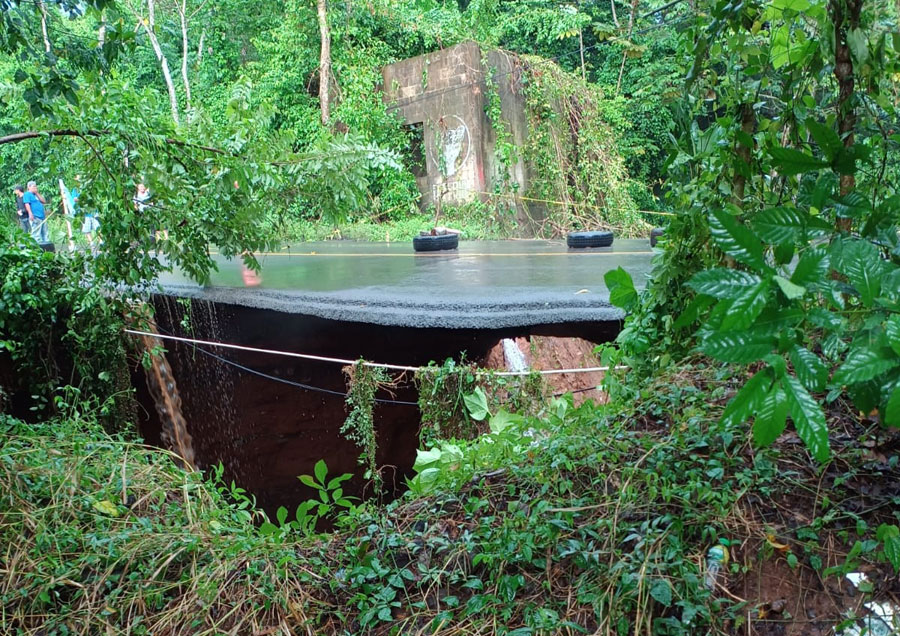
833,331
573,153
116,525
442,393
57,329
329,505
622,292
448,465
811,270
455,399
363,382
607,506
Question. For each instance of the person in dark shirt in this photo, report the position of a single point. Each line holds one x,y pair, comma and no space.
21,212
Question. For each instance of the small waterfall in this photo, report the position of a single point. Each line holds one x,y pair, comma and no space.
515,359
162,386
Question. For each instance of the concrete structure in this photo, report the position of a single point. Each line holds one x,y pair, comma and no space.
443,98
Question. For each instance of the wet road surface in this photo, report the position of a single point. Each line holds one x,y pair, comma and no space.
483,284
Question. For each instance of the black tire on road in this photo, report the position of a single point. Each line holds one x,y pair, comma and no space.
655,233
435,243
589,239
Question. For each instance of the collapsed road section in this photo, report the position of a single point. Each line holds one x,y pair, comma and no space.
269,418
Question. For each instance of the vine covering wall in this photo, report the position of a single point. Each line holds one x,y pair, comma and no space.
577,176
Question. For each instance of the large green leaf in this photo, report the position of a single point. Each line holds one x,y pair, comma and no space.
859,46
889,535
722,282
661,591
789,289
790,162
771,320
621,288
809,420
811,371
779,225
321,471
865,395
862,264
891,416
864,363
795,5
826,137
744,309
736,239
477,404
811,268
748,400
824,319
845,162
771,416
890,289
853,205
741,347
892,329
790,47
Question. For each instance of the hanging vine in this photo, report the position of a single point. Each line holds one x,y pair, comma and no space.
363,382
442,392
574,153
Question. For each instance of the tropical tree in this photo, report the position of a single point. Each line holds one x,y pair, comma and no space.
785,255
214,184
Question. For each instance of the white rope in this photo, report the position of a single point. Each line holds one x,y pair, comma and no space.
309,356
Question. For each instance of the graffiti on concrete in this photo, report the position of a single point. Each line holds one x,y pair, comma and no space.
453,145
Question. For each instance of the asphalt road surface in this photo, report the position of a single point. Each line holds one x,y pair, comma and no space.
483,284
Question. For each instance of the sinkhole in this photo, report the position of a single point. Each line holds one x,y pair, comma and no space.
268,419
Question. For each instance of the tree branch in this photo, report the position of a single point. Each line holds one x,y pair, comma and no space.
35,134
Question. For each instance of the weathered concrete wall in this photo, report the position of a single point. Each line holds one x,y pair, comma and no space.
445,93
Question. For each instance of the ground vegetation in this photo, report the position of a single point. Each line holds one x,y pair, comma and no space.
773,301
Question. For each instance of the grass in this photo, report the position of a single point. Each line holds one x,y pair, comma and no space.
477,221
588,520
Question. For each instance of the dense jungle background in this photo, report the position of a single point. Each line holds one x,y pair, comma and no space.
741,474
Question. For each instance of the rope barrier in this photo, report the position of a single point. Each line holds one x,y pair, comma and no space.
577,204
299,385
394,367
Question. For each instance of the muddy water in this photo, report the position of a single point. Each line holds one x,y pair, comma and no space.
268,431
167,403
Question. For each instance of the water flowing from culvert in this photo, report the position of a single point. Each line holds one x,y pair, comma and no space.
513,356
162,386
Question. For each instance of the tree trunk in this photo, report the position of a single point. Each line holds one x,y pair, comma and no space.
149,25
845,17
182,14
43,8
748,126
581,50
324,63
634,6
612,5
200,48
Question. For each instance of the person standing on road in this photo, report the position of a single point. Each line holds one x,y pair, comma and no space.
21,212
34,204
90,225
